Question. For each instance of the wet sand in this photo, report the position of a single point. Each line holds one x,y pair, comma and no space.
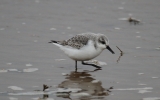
27,61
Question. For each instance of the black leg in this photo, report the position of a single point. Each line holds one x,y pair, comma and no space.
75,65
91,65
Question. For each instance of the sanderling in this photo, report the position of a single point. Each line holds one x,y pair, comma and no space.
84,47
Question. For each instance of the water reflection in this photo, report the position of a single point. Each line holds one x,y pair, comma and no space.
77,85
45,97
81,85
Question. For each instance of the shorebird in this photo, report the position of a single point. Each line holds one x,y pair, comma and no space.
84,47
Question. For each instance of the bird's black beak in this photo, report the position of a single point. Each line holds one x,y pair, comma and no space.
110,49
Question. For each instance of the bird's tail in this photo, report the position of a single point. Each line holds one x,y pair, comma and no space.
57,43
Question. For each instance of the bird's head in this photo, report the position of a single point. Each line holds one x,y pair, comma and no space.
103,42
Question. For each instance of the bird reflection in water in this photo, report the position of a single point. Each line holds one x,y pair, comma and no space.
45,97
87,85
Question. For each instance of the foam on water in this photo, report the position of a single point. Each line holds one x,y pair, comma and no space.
117,28
96,62
138,36
155,77
12,98
123,19
32,93
30,70
59,59
64,74
102,63
2,29
140,73
53,29
142,84
49,79
9,70
3,71
143,91
151,98
95,81
138,47
28,65
12,70
9,63
15,88
157,48
137,32
145,88
68,27
130,14
35,40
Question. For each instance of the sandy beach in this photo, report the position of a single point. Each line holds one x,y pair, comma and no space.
28,61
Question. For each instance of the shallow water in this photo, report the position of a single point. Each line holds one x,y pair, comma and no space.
27,61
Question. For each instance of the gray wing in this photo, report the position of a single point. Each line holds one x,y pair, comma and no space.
77,42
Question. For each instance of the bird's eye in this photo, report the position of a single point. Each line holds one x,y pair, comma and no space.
103,42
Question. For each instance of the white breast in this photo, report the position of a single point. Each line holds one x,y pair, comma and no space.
87,52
